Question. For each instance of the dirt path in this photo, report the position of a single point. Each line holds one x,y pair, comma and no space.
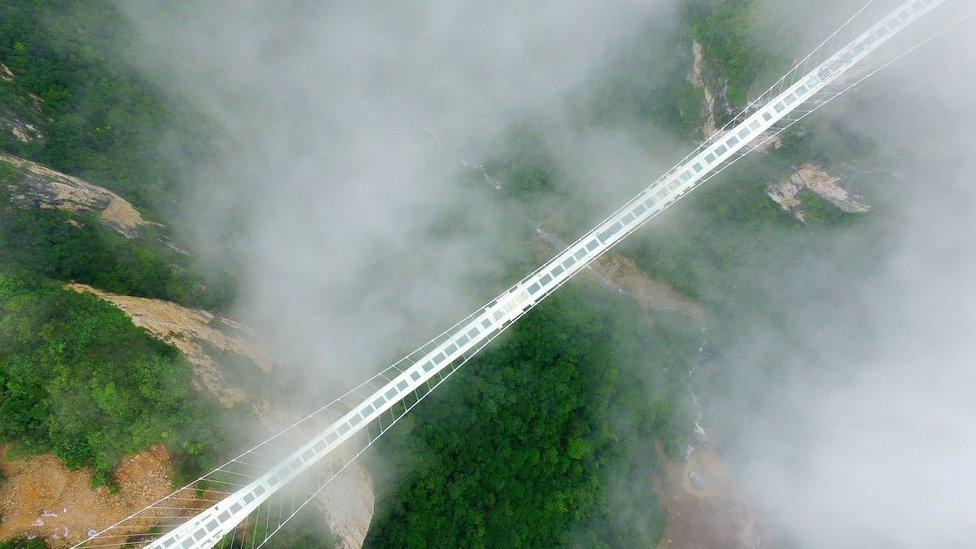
42,498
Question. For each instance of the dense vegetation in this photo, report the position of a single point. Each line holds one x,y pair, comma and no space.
76,377
79,380
560,424
23,543
726,31
561,415
72,246
101,120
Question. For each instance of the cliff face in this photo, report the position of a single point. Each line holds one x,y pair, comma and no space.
715,91
22,126
41,187
195,333
347,504
818,181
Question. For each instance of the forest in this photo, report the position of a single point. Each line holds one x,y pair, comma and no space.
560,415
80,381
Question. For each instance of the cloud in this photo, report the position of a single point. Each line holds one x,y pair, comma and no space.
338,187
866,437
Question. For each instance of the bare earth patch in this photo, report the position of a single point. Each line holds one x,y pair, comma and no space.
42,498
621,273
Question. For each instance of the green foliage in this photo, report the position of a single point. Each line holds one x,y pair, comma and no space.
725,29
79,380
645,88
573,397
525,164
101,120
23,543
45,243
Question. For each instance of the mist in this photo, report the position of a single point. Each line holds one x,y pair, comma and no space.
338,190
865,436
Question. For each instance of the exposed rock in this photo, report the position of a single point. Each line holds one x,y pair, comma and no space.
42,498
42,187
704,507
348,506
189,330
818,181
715,96
23,131
35,101
620,273
708,101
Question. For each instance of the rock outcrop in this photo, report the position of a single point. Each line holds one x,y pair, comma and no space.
41,187
714,101
22,126
347,504
192,331
818,181
704,507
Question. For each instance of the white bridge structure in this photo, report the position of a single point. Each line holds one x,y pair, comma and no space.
244,502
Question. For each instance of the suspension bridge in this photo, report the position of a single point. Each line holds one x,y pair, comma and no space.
246,501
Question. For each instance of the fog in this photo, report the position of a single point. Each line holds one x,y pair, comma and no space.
338,187
339,190
866,438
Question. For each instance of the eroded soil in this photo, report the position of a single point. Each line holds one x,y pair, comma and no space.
42,498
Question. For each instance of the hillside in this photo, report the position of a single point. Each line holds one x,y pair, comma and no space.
122,373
